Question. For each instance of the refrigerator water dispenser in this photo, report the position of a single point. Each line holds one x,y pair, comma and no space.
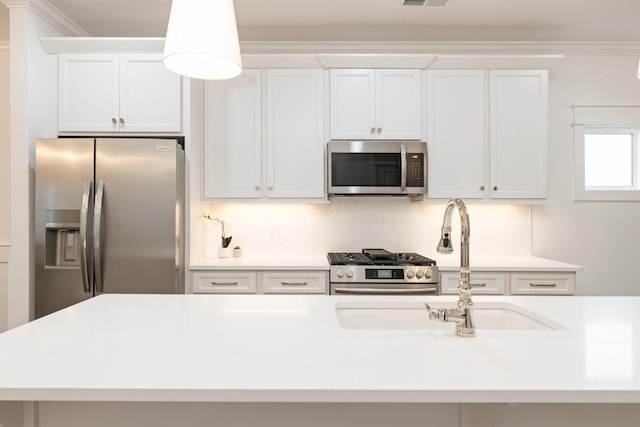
62,238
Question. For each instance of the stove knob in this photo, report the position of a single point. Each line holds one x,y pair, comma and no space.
340,273
419,274
428,273
410,274
349,273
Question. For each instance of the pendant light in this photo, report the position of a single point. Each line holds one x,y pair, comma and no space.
202,40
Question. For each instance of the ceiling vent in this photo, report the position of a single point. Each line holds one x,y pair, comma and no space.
428,3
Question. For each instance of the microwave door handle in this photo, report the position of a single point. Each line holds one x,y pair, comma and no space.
97,234
403,168
86,261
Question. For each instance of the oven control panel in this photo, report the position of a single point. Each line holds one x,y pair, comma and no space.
383,274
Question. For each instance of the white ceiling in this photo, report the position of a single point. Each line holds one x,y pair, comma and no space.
380,20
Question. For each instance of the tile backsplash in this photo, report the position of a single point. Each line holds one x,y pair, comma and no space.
352,223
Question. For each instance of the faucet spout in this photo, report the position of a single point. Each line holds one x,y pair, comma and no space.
463,314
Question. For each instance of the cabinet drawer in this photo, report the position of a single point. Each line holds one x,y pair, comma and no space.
482,283
294,283
543,283
225,282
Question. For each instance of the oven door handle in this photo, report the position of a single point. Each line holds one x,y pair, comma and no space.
369,291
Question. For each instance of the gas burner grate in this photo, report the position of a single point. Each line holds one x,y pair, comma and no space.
378,257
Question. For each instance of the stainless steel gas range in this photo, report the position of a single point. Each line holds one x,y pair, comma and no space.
380,272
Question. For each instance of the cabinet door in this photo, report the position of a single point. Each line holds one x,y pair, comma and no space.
225,282
88,93
294,134
232,137
483,283
150,95
543,283
301,282
518,142
456,123
398,104
353,108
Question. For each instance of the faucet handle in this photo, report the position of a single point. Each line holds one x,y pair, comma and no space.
433,314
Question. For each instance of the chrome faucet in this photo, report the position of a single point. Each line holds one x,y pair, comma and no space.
462,314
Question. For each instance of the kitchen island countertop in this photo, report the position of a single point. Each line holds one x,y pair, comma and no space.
291,348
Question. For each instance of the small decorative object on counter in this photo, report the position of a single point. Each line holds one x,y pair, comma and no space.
237,252
224,251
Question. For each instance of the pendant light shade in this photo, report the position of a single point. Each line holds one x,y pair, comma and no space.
202,40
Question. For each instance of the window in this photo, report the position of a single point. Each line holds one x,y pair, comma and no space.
609,159
606,165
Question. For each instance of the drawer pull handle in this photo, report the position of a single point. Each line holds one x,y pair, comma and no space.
224,283
293,283
478,285
542,285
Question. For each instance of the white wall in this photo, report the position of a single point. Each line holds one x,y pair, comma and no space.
4,22
33,115
5,188
600,236
350,224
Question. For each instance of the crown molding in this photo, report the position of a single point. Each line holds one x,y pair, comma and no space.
446,48
49,14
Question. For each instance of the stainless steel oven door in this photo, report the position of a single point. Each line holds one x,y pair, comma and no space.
384,289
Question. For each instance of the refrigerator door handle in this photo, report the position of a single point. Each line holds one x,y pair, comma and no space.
85,226
97,232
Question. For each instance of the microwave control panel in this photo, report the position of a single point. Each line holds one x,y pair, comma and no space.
415,170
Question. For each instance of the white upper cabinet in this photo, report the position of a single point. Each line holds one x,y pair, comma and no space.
295,134
487,133
456,133
264,136
375,104
117,93
519,116
232,137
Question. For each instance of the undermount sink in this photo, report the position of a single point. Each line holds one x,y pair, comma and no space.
413,315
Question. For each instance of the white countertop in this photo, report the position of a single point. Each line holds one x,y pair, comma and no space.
505,263
444,262
291,348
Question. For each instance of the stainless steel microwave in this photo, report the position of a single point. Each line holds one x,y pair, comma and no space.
396,168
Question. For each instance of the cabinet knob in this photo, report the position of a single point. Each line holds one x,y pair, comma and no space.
113,120
270,188
495,188
257,188
379,131
482,188
373,130
121,121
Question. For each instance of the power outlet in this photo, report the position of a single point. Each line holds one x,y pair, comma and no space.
272,236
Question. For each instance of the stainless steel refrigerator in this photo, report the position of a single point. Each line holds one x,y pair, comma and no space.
109,218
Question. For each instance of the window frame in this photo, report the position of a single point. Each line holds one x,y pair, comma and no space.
583,193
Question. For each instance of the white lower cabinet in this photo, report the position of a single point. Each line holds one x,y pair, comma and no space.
543,283
511,283
223,282
482,283
260,282
294,283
